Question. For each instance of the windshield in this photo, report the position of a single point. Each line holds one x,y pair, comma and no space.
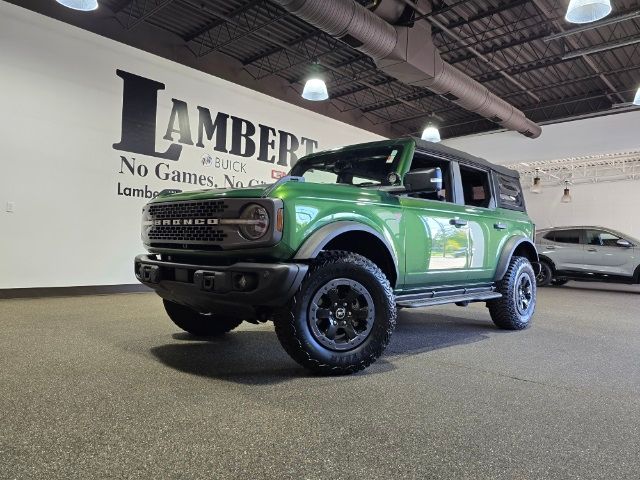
367,167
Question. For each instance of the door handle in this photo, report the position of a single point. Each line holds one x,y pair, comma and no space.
550,247
592,249
457,222
500,226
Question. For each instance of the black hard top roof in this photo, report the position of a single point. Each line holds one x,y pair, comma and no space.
439,149
427,147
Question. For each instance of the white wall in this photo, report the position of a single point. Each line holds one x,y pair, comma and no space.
608,134
61,107
613,205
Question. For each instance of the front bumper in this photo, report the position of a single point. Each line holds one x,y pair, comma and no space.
240,287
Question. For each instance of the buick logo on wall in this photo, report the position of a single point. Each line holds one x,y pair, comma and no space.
207,161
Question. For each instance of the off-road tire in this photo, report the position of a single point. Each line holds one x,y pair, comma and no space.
294,329
198,324
505,311
545,277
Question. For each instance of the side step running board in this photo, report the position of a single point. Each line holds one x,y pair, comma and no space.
440,298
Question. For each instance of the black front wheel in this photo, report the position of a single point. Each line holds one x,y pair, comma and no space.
199,324
514,310
341,318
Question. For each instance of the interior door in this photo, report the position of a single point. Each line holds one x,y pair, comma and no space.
603,255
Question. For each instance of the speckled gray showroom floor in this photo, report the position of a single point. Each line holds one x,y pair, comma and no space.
106,387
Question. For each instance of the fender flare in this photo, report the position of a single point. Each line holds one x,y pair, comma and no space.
319,239
507,252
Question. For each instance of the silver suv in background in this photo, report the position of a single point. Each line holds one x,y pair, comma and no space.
587,254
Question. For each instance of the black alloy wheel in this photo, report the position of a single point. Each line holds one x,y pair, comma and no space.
341,314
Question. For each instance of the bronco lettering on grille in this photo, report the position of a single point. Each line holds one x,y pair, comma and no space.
187,221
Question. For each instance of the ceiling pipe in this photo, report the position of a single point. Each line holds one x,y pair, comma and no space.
407,54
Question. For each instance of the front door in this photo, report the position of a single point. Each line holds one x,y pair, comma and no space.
437,242
603,255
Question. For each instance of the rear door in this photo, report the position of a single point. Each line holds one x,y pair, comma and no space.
565,248
487,226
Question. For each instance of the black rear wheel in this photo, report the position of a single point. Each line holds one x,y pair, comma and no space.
514,310
199,324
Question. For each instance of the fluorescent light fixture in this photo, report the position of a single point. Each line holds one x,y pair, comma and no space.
636,100
537,186
431,134
566,198
315,90
586,11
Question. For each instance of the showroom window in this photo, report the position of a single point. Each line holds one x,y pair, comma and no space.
475,185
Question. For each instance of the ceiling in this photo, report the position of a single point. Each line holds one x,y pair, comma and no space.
557,78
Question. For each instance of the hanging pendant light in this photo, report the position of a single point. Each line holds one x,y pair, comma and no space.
586,11
537,186
82,5
431,134
566,198
315,90
636,100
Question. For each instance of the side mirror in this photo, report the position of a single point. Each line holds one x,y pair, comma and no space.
624,243
424,180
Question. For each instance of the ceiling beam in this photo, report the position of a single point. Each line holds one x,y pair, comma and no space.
603,47
220,21
574,44
591,26
132,21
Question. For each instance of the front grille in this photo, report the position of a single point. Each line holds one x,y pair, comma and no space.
208,208
186,233
210,225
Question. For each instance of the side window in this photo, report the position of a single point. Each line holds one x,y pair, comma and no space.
567,236
602,238
509,193
475,186
550,236
421,161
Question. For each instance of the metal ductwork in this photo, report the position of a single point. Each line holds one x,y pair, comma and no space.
408,54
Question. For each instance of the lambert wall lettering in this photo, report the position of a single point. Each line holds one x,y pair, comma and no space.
234,149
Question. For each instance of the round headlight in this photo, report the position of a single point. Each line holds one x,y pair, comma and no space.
255,222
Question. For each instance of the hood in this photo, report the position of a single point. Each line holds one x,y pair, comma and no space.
245,192
287,190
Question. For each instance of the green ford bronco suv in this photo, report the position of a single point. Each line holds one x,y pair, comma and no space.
330,252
